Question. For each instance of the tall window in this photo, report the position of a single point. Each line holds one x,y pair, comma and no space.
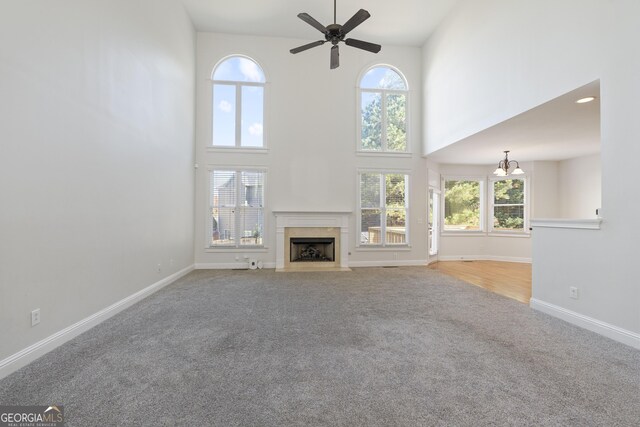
384,206
383,111
463,204
236,208
238,103
508,199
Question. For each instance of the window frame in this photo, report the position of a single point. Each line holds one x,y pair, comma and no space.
384,151
237,245
238,85
482,180
383,210
491,206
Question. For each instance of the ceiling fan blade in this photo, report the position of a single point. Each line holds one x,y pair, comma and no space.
315,24
335,57
357,19
371,47
307,46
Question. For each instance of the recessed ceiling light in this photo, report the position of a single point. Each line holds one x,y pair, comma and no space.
585,100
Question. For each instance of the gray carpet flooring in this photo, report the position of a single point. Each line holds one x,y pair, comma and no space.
375,346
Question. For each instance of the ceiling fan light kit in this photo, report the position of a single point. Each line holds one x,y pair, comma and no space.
336,33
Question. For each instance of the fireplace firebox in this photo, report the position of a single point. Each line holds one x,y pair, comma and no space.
312,249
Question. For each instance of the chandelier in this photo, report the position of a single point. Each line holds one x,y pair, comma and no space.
505,165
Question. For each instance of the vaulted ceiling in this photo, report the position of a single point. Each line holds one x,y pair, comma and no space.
557,130
398,22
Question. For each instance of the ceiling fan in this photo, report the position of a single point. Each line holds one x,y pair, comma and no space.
335,33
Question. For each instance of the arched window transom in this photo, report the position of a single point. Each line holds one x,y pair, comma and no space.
383,110
238,103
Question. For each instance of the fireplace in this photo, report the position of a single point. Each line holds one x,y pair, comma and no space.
312,241
312,249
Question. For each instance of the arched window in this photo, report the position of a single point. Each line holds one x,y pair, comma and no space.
383,110
238,103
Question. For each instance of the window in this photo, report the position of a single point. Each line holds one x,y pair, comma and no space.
508,202
383,111
384,206
238,104
236,208
463,206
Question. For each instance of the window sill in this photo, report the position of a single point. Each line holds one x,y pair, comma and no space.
463,233
237,150
233,249
502,234
484,234
369,153
388,248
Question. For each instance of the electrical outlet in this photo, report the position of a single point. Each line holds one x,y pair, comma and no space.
35,317
159,267
573,292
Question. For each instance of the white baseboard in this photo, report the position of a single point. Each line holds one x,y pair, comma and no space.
610,331
230,266
268,265
483,258
31,353
388,263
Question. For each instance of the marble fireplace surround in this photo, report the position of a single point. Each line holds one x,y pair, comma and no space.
312,224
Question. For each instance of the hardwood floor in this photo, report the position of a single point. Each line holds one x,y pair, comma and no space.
510,279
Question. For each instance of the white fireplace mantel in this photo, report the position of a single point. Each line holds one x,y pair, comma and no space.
334,219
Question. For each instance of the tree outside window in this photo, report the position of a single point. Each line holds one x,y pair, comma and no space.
383,208
462,205
383,109
509,205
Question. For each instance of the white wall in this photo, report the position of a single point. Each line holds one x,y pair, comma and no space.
494,59
485,245
96,171
580,182
488,62
311,136
545,190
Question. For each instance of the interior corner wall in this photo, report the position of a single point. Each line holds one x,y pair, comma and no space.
96,171
545,190
311,139
494,59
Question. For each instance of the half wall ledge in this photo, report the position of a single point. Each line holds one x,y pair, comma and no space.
584,224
